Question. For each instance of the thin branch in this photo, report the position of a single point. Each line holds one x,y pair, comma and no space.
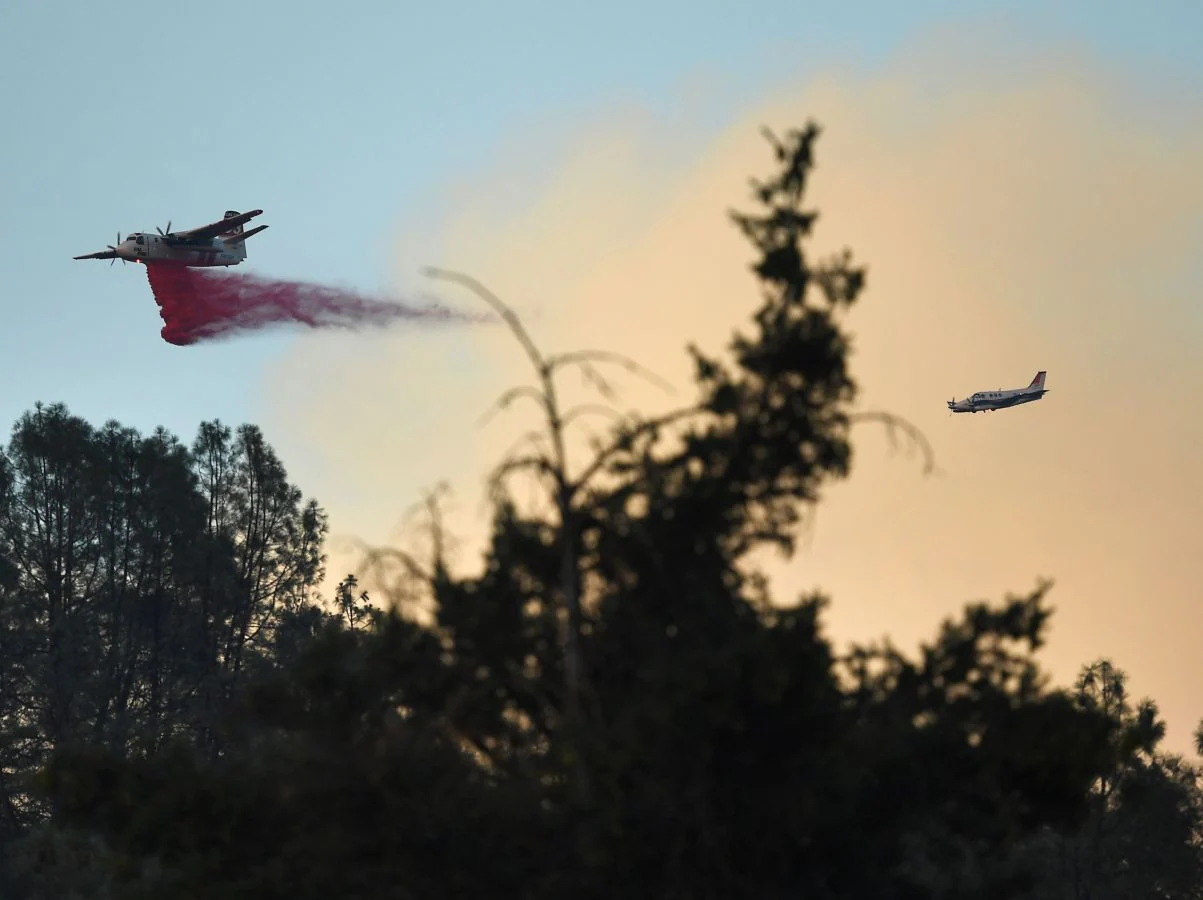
624,441
595,409
397,591
438,533
414,509
534,438
594,377
511,319
509,397
374,555
524,463
778,147
511,464
581,356
550,402
895,424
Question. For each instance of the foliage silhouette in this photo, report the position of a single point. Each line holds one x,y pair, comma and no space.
138,580
617,705
1143,836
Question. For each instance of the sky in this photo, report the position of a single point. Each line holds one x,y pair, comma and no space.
1021,180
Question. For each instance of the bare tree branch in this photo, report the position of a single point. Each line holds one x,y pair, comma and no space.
374,556
509,397
553,465
373,560
626,439
895,424
538,464
595,378
511,319
583,356
593,409
535,439
438,534
416,508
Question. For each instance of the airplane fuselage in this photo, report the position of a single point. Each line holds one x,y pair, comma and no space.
220,243
146,248
989,401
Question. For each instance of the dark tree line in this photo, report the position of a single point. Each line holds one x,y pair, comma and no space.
140,581
616,706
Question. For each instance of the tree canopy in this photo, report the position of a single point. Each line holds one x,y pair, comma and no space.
617,705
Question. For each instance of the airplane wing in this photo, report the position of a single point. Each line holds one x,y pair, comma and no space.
103,254
212,230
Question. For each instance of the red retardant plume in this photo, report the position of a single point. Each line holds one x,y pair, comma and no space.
198,305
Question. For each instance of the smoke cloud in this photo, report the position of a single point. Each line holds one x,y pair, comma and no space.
1042,213
199,305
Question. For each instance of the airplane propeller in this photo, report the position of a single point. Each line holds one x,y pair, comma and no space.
114,249
168,231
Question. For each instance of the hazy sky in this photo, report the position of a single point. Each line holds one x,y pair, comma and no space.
1022,180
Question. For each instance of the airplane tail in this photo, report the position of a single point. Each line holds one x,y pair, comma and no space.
237,229
1037,382
231,237
241,236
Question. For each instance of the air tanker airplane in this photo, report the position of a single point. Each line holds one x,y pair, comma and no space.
221,243
988,401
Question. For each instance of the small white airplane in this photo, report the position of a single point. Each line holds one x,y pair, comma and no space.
221,243
988,401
